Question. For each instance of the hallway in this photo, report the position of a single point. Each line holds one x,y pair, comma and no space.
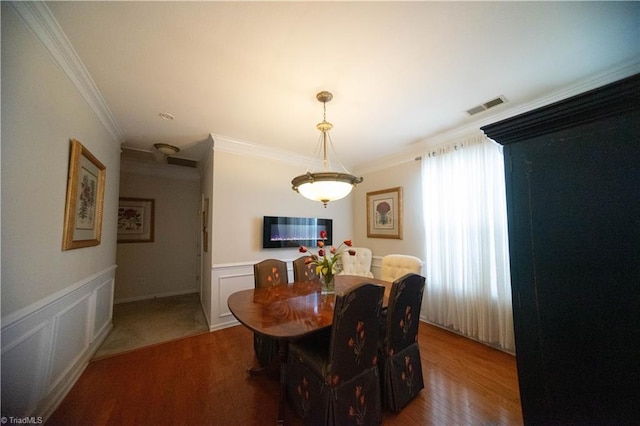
153,321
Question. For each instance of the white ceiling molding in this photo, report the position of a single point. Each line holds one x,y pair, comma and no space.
234,146
38,18
626,69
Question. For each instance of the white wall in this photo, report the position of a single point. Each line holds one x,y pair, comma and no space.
56,305
407,176
246,188
168,265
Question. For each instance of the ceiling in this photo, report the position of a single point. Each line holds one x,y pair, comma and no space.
401,72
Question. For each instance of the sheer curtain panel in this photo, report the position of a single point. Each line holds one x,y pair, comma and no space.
467,255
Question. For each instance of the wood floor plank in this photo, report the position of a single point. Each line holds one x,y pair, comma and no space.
202,380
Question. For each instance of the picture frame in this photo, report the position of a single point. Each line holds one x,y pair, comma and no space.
85,199
384,213
136,217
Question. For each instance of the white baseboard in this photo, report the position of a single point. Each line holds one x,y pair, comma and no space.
154,296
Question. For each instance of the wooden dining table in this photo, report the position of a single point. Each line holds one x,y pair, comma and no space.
291,311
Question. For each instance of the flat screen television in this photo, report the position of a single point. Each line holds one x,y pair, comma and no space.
280,231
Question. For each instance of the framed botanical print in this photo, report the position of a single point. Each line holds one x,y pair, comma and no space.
85,199
384,213
135,220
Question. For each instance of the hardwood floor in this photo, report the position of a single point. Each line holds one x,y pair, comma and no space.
202,380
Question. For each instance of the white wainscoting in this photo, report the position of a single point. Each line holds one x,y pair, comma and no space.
226,279
47,345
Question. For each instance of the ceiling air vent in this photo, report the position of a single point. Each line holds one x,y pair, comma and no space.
182,162
485,106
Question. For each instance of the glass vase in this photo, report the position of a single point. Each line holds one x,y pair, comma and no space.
328,284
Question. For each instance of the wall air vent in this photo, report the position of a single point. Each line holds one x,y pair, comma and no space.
182,162
485,106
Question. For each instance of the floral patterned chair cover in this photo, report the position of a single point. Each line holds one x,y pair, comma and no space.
303,271
267,273
332,376
400,365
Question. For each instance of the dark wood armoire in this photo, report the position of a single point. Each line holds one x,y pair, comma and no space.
573,200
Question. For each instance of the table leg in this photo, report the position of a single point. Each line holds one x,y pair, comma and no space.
274,365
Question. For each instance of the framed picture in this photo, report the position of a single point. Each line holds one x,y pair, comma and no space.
85,199
384,213
135,220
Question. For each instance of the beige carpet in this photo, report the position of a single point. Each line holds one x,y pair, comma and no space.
147,322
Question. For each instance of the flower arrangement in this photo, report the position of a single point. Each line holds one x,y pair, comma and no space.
325,261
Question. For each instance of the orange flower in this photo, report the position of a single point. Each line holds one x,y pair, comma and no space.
325,265
335,379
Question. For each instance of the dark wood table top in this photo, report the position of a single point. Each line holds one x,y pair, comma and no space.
290,311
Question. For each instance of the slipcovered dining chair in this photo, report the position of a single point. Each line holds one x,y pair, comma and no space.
332,376
360,264
267,273
400,365
303,271
395,266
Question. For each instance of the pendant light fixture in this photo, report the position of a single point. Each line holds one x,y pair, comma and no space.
326,185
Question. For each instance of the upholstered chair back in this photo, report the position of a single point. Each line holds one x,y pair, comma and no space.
395,266
332,375
267,273
303,271
354,338
270,272
403,313
360,264
400,361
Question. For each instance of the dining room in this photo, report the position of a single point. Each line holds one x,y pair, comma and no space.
252,104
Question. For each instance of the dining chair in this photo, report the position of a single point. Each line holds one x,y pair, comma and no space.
360,264
395,266
332,375
400,364
303,271
267,273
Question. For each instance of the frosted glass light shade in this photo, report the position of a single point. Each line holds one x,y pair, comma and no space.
326,186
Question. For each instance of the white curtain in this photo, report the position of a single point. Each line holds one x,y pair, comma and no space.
467,256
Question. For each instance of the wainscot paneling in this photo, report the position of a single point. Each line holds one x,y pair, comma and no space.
227,279
47,345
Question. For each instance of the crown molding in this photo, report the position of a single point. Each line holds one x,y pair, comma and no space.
41,22
623,70
234,146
